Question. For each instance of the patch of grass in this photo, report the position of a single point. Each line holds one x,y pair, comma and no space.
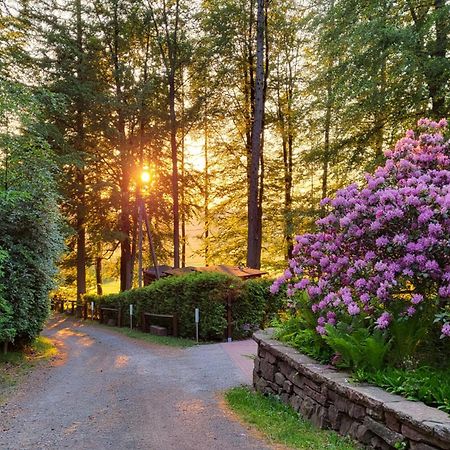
280,424
16,364
147,337
111,287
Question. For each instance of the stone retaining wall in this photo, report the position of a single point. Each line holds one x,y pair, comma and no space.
325,396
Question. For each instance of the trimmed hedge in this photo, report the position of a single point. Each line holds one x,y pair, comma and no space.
252,304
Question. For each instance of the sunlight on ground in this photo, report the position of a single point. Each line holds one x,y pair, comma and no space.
84,341
121,361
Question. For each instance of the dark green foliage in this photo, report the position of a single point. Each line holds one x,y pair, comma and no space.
29,219
358,348
408,333
252,304
296,333
427,384
7,331
298,329
256,307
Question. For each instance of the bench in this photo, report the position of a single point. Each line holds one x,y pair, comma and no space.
146,321
116,311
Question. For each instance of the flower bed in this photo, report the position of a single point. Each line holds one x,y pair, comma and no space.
325,396
369,291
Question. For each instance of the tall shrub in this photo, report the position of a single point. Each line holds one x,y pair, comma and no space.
252,305
30,229
7,331
382,252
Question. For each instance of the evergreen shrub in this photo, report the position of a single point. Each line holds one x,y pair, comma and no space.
252,305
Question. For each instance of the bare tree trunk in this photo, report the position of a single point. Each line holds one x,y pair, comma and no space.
379,113
326,144
172,42
437,81
170,58
183,179
124,220
327,125
206,186
80,176
98,270
249,92
140,204
254,238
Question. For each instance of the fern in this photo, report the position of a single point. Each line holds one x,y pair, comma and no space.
358,349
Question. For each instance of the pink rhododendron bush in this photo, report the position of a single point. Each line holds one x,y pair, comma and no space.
380,259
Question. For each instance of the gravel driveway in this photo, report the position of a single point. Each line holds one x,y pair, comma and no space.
107,391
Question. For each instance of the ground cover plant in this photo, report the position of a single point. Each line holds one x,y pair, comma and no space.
280,424
370,289
16,364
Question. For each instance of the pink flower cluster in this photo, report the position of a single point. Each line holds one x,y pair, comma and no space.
385,242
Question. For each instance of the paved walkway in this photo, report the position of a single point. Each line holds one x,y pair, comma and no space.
107,391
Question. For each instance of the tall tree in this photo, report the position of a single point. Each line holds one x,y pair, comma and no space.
254,236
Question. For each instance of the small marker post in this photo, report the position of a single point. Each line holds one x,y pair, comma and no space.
92,310
197,320
131,316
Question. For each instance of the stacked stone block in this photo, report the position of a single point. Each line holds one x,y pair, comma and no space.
329,399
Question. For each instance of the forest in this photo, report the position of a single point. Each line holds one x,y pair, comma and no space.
229,121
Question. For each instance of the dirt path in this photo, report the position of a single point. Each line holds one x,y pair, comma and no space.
107,391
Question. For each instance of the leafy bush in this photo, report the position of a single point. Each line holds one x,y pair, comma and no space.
29,218
381,255
252,305
7,330
357,348
297,328
426,384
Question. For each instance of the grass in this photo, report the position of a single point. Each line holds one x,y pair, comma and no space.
151,338
16,364
280,424
111,287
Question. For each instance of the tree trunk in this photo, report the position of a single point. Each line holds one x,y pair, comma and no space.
287,144
140,204
381,102
327,125
254,238
326,144
249,93
174,150
437,79
98,270
124,219
183,179
80,176
206,186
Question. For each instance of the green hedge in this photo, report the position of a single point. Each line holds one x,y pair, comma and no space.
252,304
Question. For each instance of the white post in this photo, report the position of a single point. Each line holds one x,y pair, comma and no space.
197,320
131,316
92,310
